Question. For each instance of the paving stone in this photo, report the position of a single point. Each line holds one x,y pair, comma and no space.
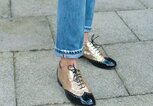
53,25
141,22
111,5
104,83
107,25
33,7
61,105
141,100
36,79
135,65
7,88
4,9
25,34
148,3
111,29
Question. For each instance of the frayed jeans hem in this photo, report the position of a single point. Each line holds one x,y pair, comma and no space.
87,29
68,54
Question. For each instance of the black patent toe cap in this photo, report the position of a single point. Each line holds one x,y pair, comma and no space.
108,63
87,99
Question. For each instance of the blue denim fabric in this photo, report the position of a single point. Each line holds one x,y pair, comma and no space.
74,17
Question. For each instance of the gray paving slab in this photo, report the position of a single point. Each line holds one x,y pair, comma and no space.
7,88
33,7
112,5
52,21
140,100
141,22
61,105
111,29
36,79
107,25
135,65
104,83
4,9
25,34
148,3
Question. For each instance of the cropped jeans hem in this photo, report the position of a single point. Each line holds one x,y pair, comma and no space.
87,28
68,53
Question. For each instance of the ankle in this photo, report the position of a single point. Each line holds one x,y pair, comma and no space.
86,37
85,41
64,62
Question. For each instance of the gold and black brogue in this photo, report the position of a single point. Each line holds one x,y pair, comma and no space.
93,54
76,88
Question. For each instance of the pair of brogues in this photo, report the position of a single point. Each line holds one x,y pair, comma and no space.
75,86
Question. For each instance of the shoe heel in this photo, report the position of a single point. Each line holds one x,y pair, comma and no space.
81,57
59,82
58,79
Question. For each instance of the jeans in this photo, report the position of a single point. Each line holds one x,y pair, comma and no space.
74,17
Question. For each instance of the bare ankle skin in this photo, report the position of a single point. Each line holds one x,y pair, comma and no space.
86,34
64,62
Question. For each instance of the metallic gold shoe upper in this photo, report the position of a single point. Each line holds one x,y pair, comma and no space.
92,52
95,56
72,81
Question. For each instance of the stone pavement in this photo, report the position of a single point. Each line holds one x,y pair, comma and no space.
28,64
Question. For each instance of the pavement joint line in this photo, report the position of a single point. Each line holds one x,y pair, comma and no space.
127,25
122,82
149,40
141,9
118,74
143,4
25,17
51,29
32,50
48,104
109,44
125,96
120,43
10,8
115,97
14,72
127,42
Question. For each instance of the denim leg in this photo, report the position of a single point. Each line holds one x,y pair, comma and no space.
90,5
70,28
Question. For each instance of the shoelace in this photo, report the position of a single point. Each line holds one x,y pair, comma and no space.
94,45
77,76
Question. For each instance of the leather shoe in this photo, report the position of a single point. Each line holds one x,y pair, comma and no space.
93,54
76,88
